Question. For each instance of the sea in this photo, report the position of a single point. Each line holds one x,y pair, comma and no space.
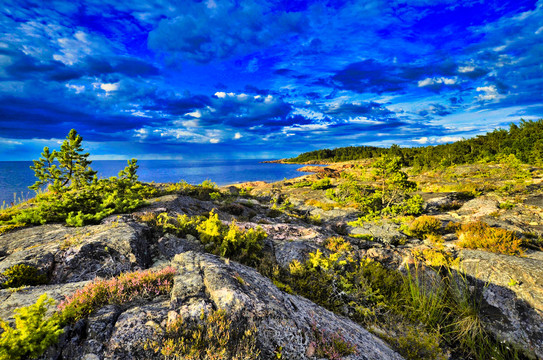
16,176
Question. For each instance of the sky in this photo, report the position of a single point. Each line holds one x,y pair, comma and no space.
222,79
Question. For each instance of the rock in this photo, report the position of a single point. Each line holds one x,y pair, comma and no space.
288,251
103,251
437,204
479,207
281,319
204,282
169,245
73,255
232,190
512,290
387,233
285,232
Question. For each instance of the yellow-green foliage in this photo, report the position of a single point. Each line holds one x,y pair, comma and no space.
21,275
338,281
478,235
6,228
203,191
424,225
414,342
436,257
319,204
210,230
33,332
229,241
322,184
301,184
217,336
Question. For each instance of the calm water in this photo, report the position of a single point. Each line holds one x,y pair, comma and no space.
16,176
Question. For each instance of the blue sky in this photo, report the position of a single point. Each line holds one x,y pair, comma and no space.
159,79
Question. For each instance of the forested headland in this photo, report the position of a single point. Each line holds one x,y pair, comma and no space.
524,140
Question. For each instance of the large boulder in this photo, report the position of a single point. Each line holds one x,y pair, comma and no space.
204,282
512,296
77,254
385,232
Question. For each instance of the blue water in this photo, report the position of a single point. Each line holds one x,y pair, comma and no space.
16,176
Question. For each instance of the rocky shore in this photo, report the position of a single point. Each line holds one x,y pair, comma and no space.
509,287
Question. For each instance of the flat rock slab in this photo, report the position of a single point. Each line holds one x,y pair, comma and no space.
478,207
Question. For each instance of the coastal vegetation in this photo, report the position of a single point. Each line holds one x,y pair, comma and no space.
69,191
524,141
373,241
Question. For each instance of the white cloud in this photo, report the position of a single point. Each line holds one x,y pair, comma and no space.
237,136
220,94
422,140
196,114
466,69
139,113
438,80
490,93
214,141
141,133
445,139
189,123
436,140
5,141
78,88
109,87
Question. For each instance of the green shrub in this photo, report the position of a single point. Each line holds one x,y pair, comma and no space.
414,342
33,332
301,184
507,205
229,241
217,336
84,204
203,191
21,275
424,225
322,184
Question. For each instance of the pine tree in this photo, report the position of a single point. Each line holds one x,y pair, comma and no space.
73,169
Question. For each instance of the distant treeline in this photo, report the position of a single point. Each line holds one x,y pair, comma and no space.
524,140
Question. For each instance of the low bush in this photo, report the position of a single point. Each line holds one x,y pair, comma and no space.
217,336
229,241
424,225
21,275
319,204
322,184
119,290
301,184
33,332
419,315
331,345
207,190
478,235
